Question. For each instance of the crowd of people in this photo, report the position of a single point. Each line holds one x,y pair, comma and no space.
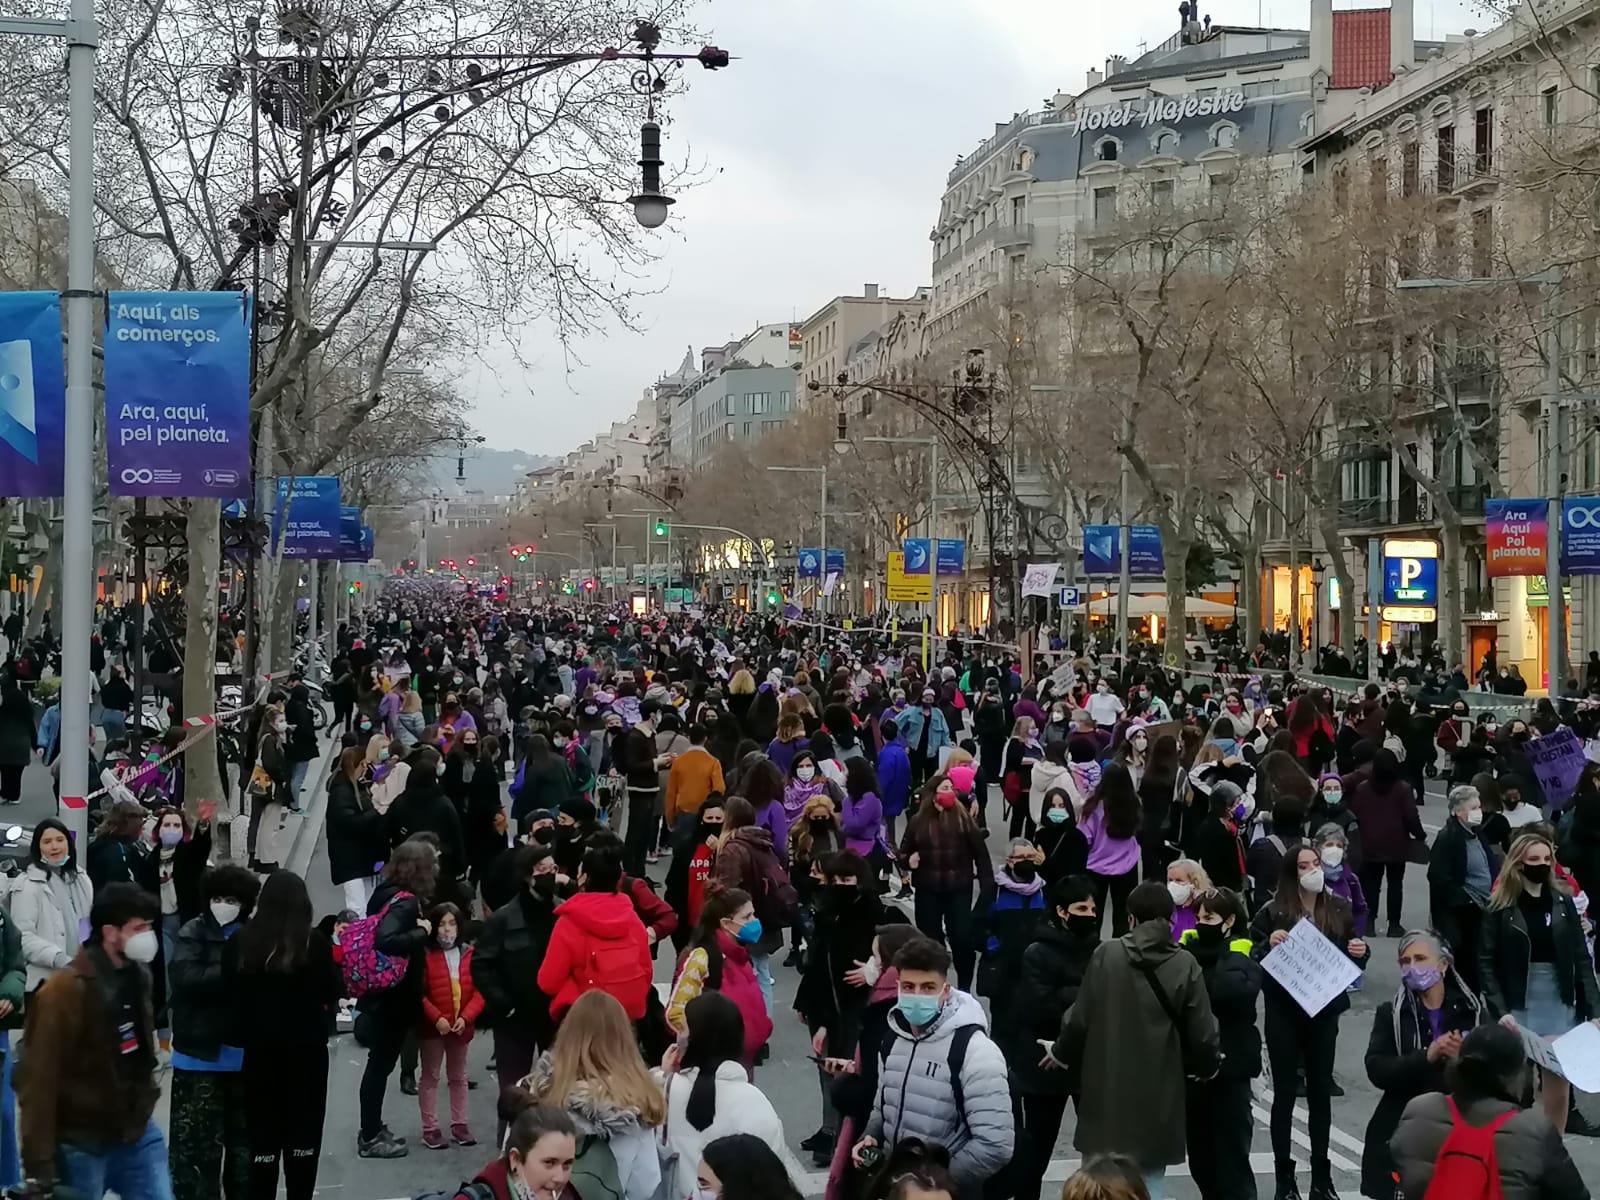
986,888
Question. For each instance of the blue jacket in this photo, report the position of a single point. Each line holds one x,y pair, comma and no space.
894,778
910,724
49,731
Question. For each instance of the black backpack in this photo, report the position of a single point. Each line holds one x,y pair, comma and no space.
956,1059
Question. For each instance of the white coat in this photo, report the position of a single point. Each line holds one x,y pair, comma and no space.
42,923
741,1108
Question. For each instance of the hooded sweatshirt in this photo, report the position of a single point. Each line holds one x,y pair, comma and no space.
631,1144
598,942
915,1097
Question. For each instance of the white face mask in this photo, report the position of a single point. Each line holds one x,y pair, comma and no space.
1313,881
1332,856
225,912
1475,816
447,941
804,774
142,947
1180,892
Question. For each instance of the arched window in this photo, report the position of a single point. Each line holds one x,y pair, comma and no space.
1225,136
1107,150
1165,141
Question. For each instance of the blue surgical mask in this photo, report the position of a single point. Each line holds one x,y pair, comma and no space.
918,1010
750,932
1055,815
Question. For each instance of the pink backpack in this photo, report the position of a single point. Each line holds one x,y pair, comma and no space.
366,968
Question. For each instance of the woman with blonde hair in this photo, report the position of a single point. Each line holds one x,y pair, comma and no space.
741,695
595,1075
1187,881
1533,961
1107,1177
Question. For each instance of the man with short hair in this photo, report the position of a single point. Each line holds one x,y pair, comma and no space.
634,755
598,941
695,774
958,1096
1140,1026
86,1088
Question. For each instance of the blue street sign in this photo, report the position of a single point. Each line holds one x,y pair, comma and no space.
919,556
810,563
1070,597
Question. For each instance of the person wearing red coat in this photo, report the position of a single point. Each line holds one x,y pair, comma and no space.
450,1007
599,942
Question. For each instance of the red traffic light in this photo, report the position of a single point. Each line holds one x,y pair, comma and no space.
588,585
472,562
530,549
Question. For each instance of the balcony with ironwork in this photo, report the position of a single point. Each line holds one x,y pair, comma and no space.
1007,237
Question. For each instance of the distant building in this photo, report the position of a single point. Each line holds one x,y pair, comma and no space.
827,335
743,391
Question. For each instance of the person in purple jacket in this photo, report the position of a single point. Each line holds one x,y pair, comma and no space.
1332,844
1110,822
791,740
862,819
762,785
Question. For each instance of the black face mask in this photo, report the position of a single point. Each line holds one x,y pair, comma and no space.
1024,872
567,834
1085,927
1539,874
544,836
1210,937
543,886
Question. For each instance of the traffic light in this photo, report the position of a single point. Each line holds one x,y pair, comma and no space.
773,598
522,558
472,562
588,585
661,529
530,549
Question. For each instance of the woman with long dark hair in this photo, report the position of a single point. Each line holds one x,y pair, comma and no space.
1295,1039
946,853
762,784
285,991
1157,789
718,960
709,1094
50,902
743,1167
1111,820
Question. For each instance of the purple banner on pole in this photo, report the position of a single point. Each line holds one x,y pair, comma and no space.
1557,760
33,395
177,373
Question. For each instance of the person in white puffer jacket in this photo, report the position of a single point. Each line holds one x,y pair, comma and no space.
709,1095
50,903
968,1110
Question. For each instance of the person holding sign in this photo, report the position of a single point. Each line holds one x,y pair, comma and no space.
1296,1037
1415,1036
1534,963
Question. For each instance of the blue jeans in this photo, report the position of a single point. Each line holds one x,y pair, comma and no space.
763,968
1155,1182
10,1159
136,1172
297,780
115,722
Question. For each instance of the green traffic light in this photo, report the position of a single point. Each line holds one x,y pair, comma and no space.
661,529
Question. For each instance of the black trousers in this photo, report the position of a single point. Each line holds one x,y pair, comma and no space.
1372,876
11,783
382,1055
945,915
209,1136
1295,1040
922,769
286,1096
1154,857
639,838
1037,1131
1022,824
1120,887
1220,1123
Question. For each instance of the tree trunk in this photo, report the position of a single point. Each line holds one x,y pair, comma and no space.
1177,573
1250,581
1294,598
202,778
1450,590
1349,613
280,615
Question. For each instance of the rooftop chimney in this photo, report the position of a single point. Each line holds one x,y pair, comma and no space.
1322,38
1115,65
870,291
1093,80
1402,35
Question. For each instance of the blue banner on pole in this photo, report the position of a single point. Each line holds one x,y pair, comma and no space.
369,542
835,562
349,533
33,395
307,516
177,371
1102,550
1144,551
810,563
952,556
1580,535
919,555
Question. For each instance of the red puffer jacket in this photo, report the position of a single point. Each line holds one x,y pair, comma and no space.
438,997
598,942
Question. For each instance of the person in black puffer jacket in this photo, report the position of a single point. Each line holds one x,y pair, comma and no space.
1217,1110
358,837
1052,969
423,807
410,881
210,1137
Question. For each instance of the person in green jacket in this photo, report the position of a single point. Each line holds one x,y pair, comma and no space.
13,981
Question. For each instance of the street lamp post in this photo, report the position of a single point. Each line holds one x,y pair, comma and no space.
1550,412
613,529
822,524
933,527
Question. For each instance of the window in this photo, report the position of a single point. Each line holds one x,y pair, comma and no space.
1165,141
1483,242
783,401
1106,150
1019,210
759,402
1101,255
1379,180
747,426
1217,189
733,405
1162,192
1410,169
1225,136
1445,139
1548,107
1105,207
1341,187
1483,141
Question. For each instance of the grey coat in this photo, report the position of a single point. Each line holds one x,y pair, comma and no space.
1534,1164
915,1098
1129,1054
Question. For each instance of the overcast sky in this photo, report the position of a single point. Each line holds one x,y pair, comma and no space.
827,143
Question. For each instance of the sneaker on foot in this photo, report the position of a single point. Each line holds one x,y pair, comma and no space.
379,1146
816,1141
1334,1089
433,1139
462,1136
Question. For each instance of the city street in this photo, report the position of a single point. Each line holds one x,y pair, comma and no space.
789,1080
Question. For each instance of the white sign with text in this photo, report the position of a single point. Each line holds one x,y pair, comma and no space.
1310,967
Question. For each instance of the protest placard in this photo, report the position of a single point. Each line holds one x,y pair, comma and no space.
1310,968
1557,760
1575,1055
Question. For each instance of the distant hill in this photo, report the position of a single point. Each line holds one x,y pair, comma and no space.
496,472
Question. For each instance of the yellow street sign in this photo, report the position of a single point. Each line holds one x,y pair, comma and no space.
907,589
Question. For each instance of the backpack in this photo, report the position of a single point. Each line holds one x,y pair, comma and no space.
1468,1167
365,967
775,899
956,1059
614,967
594,1171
